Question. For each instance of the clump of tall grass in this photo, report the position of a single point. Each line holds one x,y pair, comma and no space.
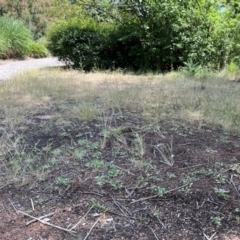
38,49
16,40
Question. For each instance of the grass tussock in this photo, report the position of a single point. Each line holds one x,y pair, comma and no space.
16,41
153,97
14,38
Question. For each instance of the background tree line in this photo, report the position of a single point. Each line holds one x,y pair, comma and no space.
146,34
141,35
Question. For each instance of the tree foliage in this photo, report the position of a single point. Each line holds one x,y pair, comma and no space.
32,12
158,35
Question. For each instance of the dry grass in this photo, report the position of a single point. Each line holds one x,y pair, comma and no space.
65,131
153,97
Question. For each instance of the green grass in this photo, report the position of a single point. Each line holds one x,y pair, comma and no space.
37,49
16,40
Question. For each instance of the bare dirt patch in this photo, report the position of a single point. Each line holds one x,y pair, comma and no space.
117,183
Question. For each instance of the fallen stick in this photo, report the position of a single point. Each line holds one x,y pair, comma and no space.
13,206
233,184
49,224
32,205
80,219
91,229
154,196
154,233
42,217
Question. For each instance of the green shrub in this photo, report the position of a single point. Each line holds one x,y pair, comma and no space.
123,49
14,38
88,44
76,43
37,49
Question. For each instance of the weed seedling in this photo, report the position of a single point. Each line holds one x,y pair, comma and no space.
98,206
217,221
221,193
62,181
101,180
96,164
171,175
114,172
40,201
115,185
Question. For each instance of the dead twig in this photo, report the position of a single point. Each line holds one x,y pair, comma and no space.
32,205
120,206
234,186
154,196
154,233
91,229
17,212
81,219
5,186
92,193
209,238
42,217
49,224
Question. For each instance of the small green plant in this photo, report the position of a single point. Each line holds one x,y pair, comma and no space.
98,206
220,178
101,180
56,151
53,161
208,172
222,193
160,190
40,201
171,175
115,184
97,155
96,164
157,213
209,150
190,69
79,153
233,67
62,181
217,221
114,172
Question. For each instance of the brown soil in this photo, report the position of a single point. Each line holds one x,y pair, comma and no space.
196,198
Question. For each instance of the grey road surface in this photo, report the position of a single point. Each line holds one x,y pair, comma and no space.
9,68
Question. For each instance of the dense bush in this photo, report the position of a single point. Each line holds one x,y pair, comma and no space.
14,38
89,45
78,44
147,35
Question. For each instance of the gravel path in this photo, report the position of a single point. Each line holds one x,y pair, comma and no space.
9,68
